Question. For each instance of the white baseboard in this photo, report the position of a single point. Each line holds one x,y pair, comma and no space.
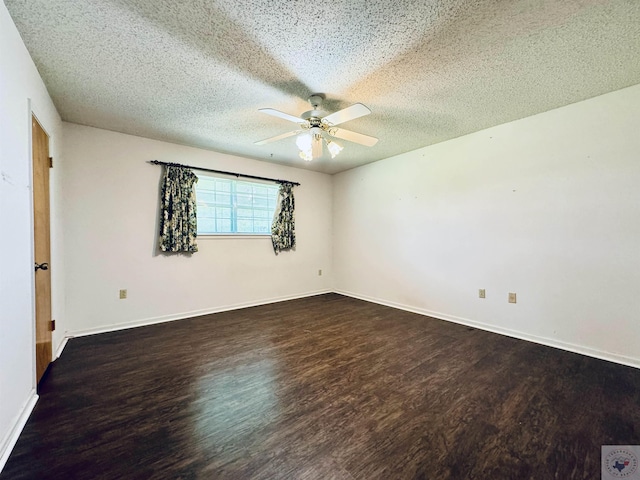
590,352
61,346
194,313
10,440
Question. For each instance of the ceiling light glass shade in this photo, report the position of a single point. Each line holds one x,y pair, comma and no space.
304,141
334,148
305,155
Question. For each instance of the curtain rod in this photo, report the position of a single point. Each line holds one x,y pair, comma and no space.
157,162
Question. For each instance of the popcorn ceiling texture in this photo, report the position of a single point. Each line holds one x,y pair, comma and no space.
195,72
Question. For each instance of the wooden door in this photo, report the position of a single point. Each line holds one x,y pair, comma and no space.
42,250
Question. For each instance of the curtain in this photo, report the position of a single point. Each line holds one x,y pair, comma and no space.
178,222
283,235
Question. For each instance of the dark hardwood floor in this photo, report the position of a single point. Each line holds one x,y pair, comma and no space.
326,387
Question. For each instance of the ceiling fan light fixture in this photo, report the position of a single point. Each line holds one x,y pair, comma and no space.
303,141
316,129
310,144
305,155
334,148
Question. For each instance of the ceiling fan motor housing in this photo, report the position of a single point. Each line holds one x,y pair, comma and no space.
313,116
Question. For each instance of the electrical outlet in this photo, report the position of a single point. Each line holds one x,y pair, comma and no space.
319,273
123,294
481,293
512,297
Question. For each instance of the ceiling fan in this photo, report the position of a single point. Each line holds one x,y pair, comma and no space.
316,128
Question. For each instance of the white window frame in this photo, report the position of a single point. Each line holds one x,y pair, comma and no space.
233,181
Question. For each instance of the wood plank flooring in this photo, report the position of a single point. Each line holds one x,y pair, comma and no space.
326,387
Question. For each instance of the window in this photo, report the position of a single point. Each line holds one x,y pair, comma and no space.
230,206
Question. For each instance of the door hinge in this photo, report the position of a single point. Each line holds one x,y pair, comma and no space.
53,325
50,162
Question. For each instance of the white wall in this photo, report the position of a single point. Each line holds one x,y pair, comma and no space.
21,86
110,223
547,207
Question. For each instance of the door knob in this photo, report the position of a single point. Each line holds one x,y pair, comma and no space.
42,266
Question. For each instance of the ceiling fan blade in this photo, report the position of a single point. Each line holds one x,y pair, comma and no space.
354,137
279,114
346,114
276,138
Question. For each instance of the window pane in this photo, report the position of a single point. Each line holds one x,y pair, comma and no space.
223,226
223,185
224,198
231,206
206,211
206,225
245,225
223,212
245,213
244,187
244,199
260,202
205,196
206,182
262,214
262,226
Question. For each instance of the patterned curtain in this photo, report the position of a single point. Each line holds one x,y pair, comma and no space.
178,222
283,235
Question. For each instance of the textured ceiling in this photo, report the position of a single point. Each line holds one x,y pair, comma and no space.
195,72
